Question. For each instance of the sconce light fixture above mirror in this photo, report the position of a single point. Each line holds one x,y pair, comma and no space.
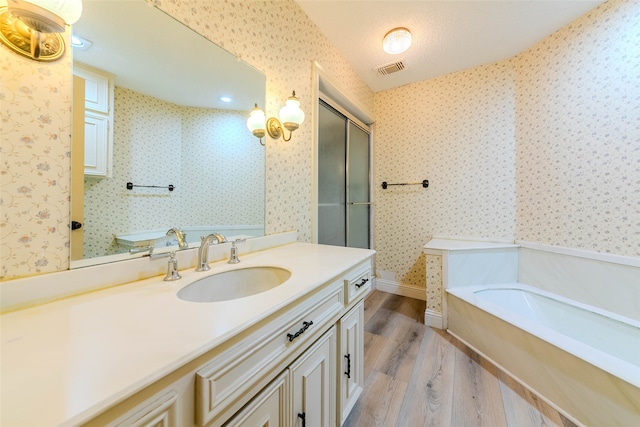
31,28
291,117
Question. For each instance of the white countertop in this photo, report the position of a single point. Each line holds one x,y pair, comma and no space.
66,361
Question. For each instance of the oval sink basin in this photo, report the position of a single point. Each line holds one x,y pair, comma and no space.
234,284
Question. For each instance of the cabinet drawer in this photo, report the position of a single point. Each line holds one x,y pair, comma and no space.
358,283
222,383
268,408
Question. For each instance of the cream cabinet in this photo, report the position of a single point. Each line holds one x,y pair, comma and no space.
268,408
302,366
313,384
98,124
351,359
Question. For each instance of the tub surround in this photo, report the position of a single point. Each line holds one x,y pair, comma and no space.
484,260
564,372
66,361
591,383
610,282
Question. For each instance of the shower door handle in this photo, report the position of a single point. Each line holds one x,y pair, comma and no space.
360,203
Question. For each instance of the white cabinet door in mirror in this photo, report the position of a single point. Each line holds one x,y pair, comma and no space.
98,120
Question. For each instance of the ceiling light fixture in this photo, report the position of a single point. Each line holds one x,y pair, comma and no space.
31,28
397,40
291,117
80,43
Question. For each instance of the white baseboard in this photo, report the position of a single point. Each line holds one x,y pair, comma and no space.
433,319
399,289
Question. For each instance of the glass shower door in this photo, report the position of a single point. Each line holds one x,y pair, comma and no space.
332,140
358,192
344,208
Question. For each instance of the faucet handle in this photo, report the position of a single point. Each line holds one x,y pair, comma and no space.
172,269
233,258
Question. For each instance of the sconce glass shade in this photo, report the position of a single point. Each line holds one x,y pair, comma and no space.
291,115
397,40
46,16
256,122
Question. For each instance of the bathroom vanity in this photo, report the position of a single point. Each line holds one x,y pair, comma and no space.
137,355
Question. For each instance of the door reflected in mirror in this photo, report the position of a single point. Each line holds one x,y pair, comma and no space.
168,127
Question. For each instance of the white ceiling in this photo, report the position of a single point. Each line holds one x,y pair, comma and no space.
448,36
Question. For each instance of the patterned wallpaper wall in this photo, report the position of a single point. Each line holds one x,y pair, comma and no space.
35,123
600,214
578,134
214,163
544,147
245,28
458,132
278,39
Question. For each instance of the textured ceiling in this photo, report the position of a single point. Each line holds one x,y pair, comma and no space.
448,36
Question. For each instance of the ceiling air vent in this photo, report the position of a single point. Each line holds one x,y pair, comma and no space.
394,67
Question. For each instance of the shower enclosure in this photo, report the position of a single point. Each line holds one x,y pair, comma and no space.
344,195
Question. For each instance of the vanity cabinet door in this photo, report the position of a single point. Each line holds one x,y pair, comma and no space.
313,383
351,360
268,408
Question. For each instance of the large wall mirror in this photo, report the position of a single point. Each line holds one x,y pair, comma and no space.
169,127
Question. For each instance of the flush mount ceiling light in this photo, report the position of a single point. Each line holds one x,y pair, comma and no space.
31,28
397,40
291,117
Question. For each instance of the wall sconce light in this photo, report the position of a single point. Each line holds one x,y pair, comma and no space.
291,117
31,28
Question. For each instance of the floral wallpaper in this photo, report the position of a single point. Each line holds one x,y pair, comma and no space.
210,158
457,131
31,245
578,134
434,283
34,176
544,147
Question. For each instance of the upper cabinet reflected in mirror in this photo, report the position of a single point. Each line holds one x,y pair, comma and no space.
163,123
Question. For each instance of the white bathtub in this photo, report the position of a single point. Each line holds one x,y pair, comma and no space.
583,360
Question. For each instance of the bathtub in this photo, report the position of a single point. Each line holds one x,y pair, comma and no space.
581,359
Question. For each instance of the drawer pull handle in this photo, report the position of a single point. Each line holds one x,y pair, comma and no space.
303,416
348,373
361,284
300,332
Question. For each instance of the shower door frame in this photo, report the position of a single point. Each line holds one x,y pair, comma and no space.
325,88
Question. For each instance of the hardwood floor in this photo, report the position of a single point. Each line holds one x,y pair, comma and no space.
420,376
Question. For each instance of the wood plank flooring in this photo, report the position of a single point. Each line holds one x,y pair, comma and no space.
420,376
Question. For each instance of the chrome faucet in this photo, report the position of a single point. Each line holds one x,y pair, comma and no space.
180,236
203,252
